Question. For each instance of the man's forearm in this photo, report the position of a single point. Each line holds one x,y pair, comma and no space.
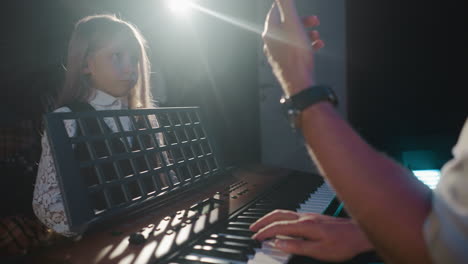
382,196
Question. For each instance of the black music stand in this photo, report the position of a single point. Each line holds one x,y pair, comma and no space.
174,136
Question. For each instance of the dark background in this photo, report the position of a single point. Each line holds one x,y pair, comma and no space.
406,79
406,74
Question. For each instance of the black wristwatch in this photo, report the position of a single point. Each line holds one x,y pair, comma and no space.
295,104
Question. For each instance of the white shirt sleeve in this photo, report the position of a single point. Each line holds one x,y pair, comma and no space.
446,228
47,198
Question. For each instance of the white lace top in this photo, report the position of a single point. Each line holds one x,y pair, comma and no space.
47,199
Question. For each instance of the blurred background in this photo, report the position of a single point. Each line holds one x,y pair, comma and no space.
397,66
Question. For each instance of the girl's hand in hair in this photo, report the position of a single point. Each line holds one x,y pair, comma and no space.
314,235
289,47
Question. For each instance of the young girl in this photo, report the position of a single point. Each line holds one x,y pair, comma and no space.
107,68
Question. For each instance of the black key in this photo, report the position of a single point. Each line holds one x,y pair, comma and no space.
267,207
264,205
259,210
246,219
247,249
224,233
243,240
239,224
257,214
225,253
239,231
194,259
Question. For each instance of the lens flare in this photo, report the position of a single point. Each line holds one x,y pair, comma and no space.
179,6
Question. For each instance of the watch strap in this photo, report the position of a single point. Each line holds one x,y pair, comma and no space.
313,95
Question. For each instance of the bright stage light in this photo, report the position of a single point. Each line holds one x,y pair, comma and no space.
429,177
179,6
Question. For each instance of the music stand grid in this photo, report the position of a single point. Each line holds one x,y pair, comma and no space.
165,149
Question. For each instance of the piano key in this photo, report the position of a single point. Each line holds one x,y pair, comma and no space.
258,210
243,240
239,231
239,224
215,260
237,227
233,243
230,236
245,248
247,218
219,252
195,259
264,204
265,258
269,254
258,214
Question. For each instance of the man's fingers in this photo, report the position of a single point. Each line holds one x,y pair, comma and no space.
324,218
318,44
299,247
310,21
277,215
314,35
307,228
285,228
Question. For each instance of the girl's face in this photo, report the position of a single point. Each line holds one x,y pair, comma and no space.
113,68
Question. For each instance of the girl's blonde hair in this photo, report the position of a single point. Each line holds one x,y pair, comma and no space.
89,35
